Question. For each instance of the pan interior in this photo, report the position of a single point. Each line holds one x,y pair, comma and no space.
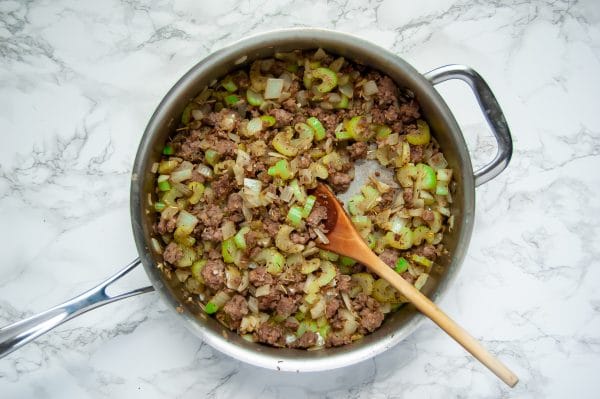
163,123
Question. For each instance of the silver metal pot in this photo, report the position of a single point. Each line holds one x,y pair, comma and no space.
398,325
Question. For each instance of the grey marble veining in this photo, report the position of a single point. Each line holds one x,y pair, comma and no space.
78,82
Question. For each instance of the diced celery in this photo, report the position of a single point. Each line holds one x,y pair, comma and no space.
159,206
282,142
268,120
426,179
382,131
422,260
229,85
163,183
281,169
421,136
239,238
231,99
197,192
327,77
187,113
353,203
295,215
343,135
254,98
211,157
403,240
317,127
211,308
343,104
310,266
347,261
401,265
327,255
229,251
298,191
308,205
328,273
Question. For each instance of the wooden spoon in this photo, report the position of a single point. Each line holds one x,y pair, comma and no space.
345,240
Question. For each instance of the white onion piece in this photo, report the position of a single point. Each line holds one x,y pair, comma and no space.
350,323
181,175
182,274
397,224
347,90
290,339
318,310
245,282
348,303
253,185
334,98
197,114
287,80
274,88
322,237
238,173
228,229
254,126
156,246
421,280
205,170
220,299
370,88
385,307
249,323
262,290
286,194
186,221
233,278
309,283
302,98
253,304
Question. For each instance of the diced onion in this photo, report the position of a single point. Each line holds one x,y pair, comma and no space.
350,323
254,126
156,246
347,90
321,236
370,88
228,229
421,280
318,309
181,175
263,290
290,339
205,170
273,88
186,221
287,80
253,304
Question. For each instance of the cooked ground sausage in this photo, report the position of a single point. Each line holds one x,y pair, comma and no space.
213,274
235,196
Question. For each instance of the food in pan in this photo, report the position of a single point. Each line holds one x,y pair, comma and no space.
236,222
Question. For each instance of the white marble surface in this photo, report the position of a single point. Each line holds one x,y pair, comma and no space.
79,80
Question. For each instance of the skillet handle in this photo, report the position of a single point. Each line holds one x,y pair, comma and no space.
15,335
491,110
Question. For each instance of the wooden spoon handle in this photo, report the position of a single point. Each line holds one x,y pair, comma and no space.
429,309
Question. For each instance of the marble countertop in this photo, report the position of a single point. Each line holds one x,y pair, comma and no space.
78,82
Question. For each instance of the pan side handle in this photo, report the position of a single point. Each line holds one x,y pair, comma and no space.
491,110
15,335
